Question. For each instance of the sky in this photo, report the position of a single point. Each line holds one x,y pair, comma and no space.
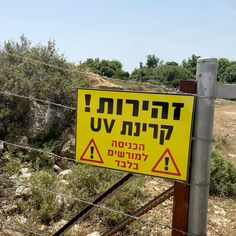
126,30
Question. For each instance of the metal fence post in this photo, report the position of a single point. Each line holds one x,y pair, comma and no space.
201,151
181,189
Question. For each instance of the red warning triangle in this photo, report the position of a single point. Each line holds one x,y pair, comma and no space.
166,164
91,153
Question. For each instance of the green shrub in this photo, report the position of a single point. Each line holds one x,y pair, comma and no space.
223,176
43,186
127,200
12,160
88,181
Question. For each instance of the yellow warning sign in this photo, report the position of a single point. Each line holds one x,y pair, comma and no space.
144,133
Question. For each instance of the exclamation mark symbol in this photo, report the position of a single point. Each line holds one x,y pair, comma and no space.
87,102
166,162
91,151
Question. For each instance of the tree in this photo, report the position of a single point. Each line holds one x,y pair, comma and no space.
168,74
109,68
229,76
190,65
152,61
40,71
223,64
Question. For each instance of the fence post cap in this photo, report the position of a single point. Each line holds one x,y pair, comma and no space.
207,59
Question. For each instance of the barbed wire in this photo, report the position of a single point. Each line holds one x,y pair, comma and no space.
22,56
73,160
36,99
44,63
37,150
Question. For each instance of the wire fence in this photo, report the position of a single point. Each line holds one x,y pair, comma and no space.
28,148
78,70
91,203
25,147
28,59
36,99
102,207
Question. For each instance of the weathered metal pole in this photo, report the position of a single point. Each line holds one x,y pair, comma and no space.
201,152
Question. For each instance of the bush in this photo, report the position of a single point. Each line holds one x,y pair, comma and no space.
109,68
223,176
86,182
43,186
89,181
12,160
127,200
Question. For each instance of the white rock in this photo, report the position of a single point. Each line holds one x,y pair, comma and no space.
22,191
24,170
1,145
56,167
21,219
15,176
94,234
219,211
9,208
63,174
25,173
59,201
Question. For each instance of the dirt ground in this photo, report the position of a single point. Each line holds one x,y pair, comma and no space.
225,128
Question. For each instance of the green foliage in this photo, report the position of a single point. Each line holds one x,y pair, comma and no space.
229,73
109,68
223,176
152,61
127,200
43,198
87,181
37,71
12,166
167,74
170,73
223,64
12,160
190,65
52,78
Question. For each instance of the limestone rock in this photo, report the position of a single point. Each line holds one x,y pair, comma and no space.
1,146
42,120
9,209
63,174
94,234
25,173
22,191
56,167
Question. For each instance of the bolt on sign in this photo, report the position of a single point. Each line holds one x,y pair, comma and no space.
144,133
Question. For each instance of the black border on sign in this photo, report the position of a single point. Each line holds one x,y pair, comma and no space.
141,92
